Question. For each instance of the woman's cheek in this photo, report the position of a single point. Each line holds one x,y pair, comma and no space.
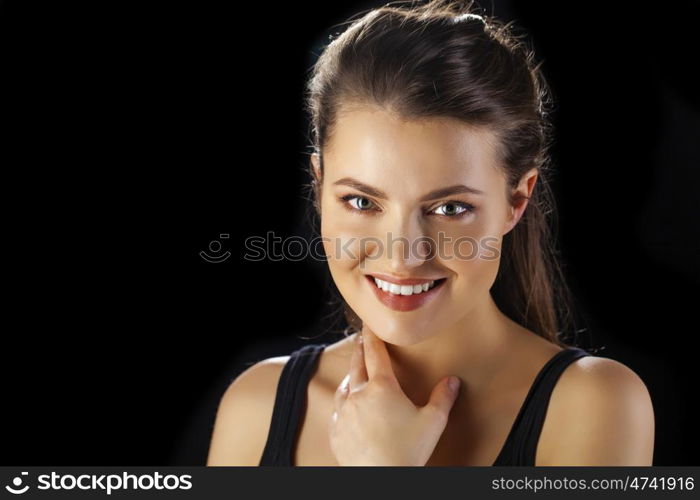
473,255
342,241
457,243
482,264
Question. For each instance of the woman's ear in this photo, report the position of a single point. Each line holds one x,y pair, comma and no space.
521,196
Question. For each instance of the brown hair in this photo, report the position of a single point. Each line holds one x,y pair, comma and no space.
443,59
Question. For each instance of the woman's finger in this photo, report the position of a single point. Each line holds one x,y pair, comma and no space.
358,372
377,360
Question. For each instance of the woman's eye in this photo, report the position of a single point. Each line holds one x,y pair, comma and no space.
453,209
359,203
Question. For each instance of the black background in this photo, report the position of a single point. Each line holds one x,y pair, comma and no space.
134,134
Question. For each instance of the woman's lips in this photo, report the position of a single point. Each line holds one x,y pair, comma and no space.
405,302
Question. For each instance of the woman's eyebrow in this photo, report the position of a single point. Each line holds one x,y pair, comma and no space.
433,195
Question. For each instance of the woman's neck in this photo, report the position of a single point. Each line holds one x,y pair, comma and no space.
475,349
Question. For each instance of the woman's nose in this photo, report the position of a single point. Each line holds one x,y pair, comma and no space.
407,245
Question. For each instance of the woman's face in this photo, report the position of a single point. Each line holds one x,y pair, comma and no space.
377,215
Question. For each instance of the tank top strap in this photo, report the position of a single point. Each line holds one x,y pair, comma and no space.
290,400
520,447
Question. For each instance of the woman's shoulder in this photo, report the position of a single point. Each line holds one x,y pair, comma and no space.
244,414
600,413
256,381
598,380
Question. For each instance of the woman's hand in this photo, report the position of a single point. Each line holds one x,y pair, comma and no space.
374,422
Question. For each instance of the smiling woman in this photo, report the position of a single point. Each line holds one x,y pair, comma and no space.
430,166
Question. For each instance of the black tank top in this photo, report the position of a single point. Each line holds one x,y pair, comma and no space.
519,448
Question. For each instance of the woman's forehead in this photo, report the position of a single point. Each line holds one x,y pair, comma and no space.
370,142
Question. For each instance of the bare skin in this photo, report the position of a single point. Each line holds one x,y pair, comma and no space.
600,412
479,421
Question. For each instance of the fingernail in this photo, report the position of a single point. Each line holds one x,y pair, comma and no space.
453,382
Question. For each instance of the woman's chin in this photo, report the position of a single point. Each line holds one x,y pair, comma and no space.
399,334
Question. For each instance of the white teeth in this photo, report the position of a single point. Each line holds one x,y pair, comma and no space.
403,289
